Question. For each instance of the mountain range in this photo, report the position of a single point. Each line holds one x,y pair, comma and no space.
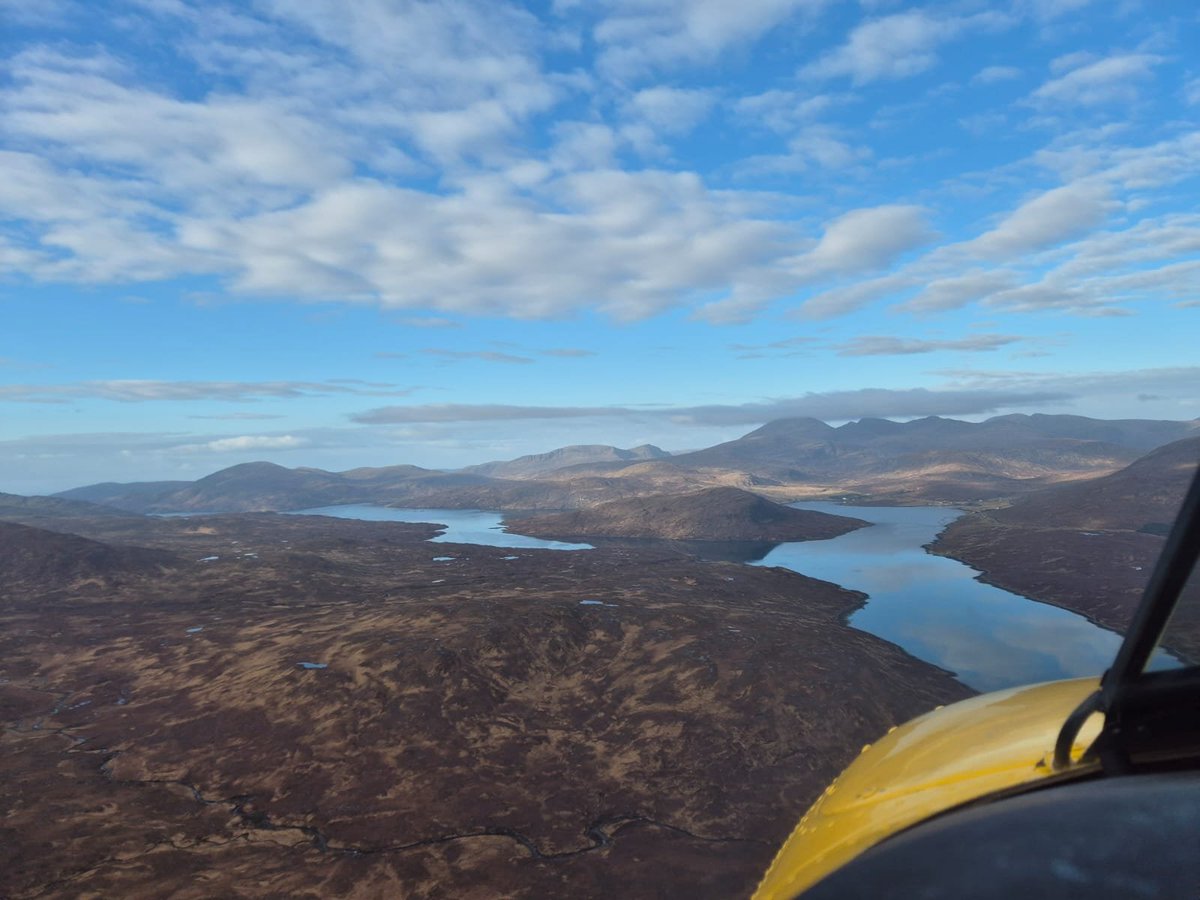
926,460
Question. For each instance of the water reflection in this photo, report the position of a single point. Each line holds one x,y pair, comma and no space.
709,551
935,609
463,526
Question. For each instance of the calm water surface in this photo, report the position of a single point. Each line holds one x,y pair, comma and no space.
463,526
935,609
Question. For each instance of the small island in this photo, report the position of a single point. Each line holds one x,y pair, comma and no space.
715,514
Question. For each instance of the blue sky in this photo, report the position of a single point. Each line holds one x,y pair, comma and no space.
388,232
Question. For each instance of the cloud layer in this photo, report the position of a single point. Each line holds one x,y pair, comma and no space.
831,405
474,158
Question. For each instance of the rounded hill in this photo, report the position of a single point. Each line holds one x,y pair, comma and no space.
715,514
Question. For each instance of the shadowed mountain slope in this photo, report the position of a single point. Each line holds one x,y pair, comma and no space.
18,507
132,496
39,561
1088,546
1143,496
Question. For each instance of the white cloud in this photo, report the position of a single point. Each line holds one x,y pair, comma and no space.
847,298
782,111
824,146
1105,81
1112,387
1053,9
652,115
223,146
1047,219
956,291
670,110
44,12
866,239
145,390
995,74
896,46
630,244
429,322
885,345
392,153
246,442
855,243
494,356
636,37
1191,92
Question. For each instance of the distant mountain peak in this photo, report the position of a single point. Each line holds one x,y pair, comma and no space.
536,464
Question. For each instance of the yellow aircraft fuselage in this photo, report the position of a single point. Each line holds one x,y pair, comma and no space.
952,756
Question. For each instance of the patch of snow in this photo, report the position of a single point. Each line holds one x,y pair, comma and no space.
510,557
196,629
443,559
312,665
208,558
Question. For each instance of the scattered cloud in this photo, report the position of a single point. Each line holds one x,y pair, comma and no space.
1047,219
141,390
882,345
428,322
1104,81
494,356
995,74
245,442
567,352
866,239
629,243
959,290
840,301
896,46
670,110
240,417
1052,9
636,38
782,111
1180,383
1191,92
794,346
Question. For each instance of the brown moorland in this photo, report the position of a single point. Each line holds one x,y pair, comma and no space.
472,722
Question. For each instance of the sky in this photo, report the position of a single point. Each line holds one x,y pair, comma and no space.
341,234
